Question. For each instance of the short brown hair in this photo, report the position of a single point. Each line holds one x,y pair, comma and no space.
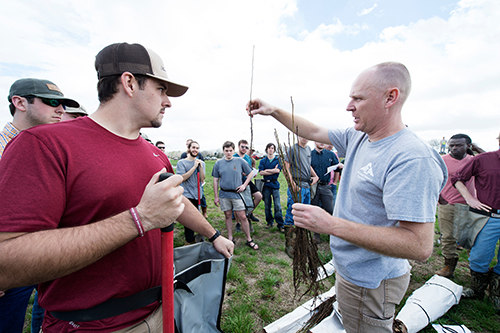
107,86
227,144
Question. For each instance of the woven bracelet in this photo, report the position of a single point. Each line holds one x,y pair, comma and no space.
137,220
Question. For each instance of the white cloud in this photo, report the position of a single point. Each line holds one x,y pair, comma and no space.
367,10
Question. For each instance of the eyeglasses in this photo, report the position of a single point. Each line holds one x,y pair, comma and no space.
245,147
50,102
162,148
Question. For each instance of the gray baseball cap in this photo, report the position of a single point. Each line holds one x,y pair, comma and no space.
79,110
39,88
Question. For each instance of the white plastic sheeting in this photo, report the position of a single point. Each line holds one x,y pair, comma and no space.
296,319
429,303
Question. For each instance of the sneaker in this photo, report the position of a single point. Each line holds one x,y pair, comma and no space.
282,230
253,218
269,226
238,227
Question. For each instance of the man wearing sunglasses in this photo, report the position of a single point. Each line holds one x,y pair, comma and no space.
32,102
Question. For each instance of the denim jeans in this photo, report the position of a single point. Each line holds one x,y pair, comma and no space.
483,250
13,308
37,314
305,194
334,192
267,193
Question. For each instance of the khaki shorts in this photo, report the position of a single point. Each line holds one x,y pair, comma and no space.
370,310
231,204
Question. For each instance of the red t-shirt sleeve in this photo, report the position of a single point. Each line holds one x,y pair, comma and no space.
26,161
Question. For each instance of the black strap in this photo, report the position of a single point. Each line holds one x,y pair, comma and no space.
112,307
483,212
234,191
241,197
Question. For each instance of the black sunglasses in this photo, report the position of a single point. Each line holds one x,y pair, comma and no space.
50,102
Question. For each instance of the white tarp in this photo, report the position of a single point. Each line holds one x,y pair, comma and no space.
296,319
429,303
451,328
329,268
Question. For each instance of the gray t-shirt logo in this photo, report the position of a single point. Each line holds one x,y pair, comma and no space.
366,172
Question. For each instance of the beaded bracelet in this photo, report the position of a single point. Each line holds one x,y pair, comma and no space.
137,220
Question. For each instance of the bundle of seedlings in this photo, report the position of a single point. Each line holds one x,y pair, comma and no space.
305,251
321,312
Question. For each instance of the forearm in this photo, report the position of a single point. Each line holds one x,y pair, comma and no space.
305,128
192,219
216,187
202,174
410,240
249,179
46,255
189,173
463,190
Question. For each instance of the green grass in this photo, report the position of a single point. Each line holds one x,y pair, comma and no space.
259,288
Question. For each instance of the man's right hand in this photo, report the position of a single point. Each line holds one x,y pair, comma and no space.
161,202
258,106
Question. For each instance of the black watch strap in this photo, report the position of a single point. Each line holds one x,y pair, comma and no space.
214,237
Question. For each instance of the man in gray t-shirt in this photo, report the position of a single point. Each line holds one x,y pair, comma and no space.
192,170
227,174
298,164
385,210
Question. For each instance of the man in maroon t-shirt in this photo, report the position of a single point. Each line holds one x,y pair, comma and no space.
458,144
485,168
82,207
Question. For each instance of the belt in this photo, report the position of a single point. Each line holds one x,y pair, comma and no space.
112,307
485,213
322,183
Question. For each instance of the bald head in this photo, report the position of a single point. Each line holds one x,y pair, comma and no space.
389,75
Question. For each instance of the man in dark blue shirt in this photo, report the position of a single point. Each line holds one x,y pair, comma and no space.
321,160
270,168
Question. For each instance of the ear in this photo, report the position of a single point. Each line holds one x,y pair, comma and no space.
391,97
20,103
128,83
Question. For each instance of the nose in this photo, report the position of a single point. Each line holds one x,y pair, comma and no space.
59,109
166,102
350,107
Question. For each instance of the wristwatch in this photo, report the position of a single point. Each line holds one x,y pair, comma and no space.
214,237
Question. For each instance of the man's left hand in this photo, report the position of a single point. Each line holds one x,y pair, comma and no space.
224,246
312,218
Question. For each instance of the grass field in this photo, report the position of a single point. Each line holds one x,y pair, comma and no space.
259,286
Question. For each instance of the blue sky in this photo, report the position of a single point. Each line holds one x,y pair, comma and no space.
364,20
310,50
